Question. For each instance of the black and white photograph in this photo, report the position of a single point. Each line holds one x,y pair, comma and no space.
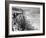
25,19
